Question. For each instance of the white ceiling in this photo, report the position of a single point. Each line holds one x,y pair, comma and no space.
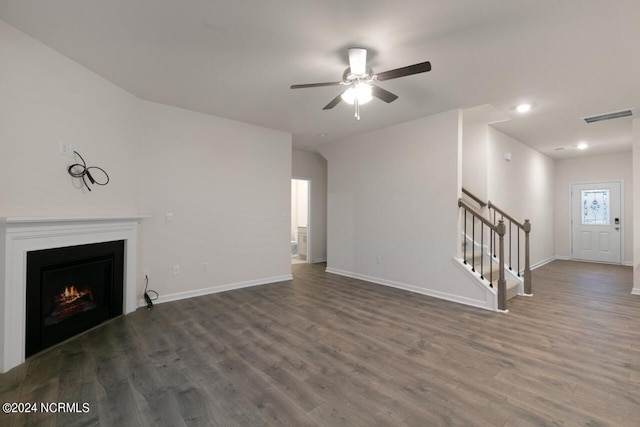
237,59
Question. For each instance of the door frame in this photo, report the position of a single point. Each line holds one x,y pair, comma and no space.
309,231
622,219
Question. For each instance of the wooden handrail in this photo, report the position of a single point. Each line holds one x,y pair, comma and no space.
478,215
474,197
505,215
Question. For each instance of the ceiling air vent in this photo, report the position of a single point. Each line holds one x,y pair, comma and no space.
609,116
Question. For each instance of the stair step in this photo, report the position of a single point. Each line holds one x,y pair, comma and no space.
494,273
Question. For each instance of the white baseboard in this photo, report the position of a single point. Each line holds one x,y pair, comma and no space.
215,289
563,257
628,263
544,262
411,288
635,291
318,260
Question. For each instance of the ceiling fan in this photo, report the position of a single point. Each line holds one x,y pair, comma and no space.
360,81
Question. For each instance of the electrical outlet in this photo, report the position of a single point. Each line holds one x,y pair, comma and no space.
176,269
72,148
205,266
146,272
64,149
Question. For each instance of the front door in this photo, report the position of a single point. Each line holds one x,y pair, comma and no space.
596,222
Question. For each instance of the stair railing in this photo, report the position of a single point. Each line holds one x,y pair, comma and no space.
498,229
521,228
474,198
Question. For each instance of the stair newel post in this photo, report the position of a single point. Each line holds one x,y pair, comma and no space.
502,283
527,267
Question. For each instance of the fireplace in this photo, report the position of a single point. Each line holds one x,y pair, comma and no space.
21,235
70,290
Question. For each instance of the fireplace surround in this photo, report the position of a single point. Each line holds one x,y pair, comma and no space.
21,235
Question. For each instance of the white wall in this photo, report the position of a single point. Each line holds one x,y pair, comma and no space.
306,164
227,183
228,186
392,207
618,166
474,154
45,100
524,187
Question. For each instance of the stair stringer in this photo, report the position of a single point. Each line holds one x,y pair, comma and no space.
491,294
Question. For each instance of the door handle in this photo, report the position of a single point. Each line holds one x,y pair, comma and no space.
617,228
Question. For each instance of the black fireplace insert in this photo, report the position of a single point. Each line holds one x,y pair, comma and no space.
70,290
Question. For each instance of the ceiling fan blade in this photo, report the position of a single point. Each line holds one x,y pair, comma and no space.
335,101
405,71
385,95
358,60
316,85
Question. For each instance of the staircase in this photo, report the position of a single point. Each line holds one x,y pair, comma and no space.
488,267
494,246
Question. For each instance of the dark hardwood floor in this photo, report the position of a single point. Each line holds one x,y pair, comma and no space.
331,351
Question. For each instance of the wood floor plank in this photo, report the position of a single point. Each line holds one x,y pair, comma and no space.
327,350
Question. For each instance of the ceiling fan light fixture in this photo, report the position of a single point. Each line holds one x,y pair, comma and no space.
358,61
362,91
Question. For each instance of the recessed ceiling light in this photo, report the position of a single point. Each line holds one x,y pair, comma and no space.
582,146
523,108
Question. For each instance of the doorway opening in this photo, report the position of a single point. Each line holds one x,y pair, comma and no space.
300,215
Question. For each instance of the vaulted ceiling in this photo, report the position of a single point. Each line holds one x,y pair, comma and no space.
237,59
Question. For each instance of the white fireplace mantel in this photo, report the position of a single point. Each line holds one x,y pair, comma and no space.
19,235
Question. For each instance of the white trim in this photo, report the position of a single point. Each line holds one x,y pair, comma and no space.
566,258
18,236
487,305
543,262
318,260
635,291
216,289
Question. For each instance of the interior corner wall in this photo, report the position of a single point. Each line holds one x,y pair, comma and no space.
636,207
227,183
525,188
307,164
227,186
46,100
475,158
608,167
392,207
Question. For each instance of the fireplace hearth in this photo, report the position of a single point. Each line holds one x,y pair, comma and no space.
71,289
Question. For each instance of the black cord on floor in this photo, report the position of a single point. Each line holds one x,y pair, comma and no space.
147,298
